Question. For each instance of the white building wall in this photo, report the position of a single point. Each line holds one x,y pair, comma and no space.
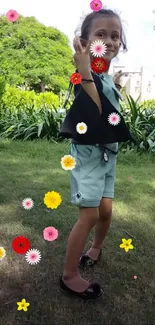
140,84
133,86
148,86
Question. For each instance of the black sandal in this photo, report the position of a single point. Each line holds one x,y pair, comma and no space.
93,292
85,261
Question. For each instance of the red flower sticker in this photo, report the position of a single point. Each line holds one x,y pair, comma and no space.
21,245
99,65
76,78
12,15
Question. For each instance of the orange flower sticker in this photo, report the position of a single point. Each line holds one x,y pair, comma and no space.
76,78
99,65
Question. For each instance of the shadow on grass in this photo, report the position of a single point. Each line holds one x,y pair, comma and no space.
125,301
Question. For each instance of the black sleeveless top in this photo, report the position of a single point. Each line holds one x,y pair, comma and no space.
99,128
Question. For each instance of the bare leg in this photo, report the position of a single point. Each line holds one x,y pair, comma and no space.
76,242
102,227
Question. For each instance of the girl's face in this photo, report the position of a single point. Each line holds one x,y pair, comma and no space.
108,30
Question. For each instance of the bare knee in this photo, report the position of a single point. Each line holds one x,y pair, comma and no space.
88,216
105,209
106,215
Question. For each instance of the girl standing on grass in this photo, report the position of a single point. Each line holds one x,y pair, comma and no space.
93,178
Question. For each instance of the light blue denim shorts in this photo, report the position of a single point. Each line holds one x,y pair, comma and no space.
93,177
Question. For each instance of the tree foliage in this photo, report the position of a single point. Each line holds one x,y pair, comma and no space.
34,56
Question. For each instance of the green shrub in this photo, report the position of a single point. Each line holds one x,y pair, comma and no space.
2,87
27,115
141,122
149,104
31,124
14,98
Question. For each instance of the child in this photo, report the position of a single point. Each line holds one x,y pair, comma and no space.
92,180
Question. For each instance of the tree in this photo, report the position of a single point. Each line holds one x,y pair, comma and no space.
34,56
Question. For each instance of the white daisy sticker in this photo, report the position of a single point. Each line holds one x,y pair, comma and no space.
114,119
28,203
81,128
98,48
68,162
33,256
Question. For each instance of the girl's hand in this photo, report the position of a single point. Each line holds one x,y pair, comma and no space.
117,77
81,56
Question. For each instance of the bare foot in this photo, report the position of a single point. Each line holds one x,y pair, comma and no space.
93,253
76,283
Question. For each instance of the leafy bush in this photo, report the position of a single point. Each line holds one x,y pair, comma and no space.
15,99
149,104
31,124
27,115
2,87
141,122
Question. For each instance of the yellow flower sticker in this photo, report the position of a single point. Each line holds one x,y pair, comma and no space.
68,162
22,305
2,253
126,244
52,200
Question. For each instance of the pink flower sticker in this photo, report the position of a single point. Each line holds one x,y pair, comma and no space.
96,5
12,15
114,119
98,48
50,233
33,256
28,204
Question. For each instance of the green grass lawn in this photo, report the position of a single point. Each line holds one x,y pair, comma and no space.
30,169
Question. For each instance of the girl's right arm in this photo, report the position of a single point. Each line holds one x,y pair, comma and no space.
82,61
90,88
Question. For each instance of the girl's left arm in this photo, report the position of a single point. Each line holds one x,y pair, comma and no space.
117,79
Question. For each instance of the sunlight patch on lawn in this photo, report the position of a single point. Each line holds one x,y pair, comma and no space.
152,183
16,229
121,209
7,209
10,160
59,171
136,212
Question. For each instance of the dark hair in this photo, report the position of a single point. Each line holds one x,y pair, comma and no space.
88,21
